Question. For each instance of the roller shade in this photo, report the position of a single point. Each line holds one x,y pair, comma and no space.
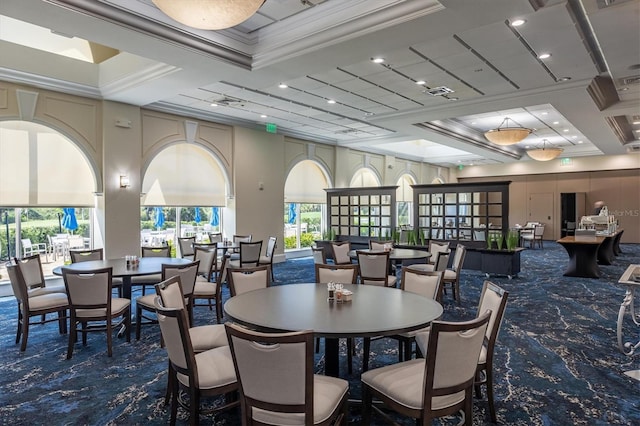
364,178
306,184
41,167
184,175
405,191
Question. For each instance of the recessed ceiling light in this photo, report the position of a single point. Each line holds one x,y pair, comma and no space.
638,130
574,137
544,55
636,122
517,22
377,60
564,79
545,113
421,82
213,104
527,146
579,141
473,122
565,130
453,99
282,86
263,116
331,101
624,89
556,122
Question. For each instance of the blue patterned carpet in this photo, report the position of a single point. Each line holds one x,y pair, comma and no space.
557,362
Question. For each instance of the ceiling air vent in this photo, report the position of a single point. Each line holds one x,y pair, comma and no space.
631,80
633,147
438,91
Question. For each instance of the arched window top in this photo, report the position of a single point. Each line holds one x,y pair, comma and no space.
306,183
184,175
363,178
41,167
405,191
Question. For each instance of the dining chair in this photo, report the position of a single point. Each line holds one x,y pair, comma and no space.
33,275
206,374
319,255
237,239
267,259
29,248
206,286
185,244
144,281
345,274
242,280
203,337
440,263
92,306
380,245
374,268
436,247
187,273
249,255
535,237
438,385
215,237
340,251
35,304
452,274
493,298
264,362
86,255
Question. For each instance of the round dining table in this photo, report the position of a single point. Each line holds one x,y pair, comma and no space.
147,266
373,311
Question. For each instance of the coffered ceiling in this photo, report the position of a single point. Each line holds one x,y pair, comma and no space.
451,70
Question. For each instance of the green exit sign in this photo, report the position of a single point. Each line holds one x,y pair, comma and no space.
272,128
565,161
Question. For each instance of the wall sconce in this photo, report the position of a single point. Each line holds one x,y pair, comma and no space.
124,181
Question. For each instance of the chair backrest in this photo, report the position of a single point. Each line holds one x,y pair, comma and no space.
345,274
538,231
31,271
186,246
242,280
156,251
174,326
18,284
479,235
436,247
268,361
341,251
452,356
207,256
237,239
494,299
380,245
170,292
215,237
271,247
441,260
458,258
319,256
86,255
250,253
89,289
424,283
26,243
187,273
374,267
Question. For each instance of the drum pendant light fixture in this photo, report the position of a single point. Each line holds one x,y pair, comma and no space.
209,14
507,135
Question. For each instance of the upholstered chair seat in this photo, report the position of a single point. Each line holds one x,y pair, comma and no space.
215,368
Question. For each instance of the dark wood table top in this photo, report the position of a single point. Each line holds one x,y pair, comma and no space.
398,254
148,266
373,310
570,239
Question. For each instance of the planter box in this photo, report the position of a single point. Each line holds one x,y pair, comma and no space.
494,261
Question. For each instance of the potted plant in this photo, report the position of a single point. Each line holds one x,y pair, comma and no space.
512,240
499,240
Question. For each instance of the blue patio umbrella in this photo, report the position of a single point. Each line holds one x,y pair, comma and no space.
197,217
215,216
159,222
292,213
69,220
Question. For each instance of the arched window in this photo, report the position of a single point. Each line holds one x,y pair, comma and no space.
305,204
404,200
363,178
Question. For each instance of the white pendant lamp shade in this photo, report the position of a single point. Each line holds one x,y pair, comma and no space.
209,14
546,153
507,135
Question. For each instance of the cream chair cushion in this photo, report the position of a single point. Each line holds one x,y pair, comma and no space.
215,369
